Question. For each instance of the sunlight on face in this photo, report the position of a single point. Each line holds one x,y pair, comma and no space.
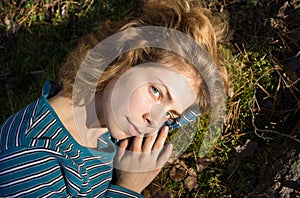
144,97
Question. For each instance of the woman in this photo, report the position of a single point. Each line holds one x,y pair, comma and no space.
59,146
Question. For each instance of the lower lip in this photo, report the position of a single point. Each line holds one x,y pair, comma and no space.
132,129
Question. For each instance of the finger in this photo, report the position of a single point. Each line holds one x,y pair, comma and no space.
148,144
137,144
124,143
122,149
165,155
161,139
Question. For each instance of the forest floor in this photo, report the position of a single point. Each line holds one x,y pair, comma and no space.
259,152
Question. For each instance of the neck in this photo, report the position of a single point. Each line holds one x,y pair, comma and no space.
98,106
82,122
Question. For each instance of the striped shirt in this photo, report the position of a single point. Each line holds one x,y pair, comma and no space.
39,158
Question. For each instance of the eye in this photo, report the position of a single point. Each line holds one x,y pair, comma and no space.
169,116
155,92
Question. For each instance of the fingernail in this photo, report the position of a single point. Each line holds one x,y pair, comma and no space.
166,130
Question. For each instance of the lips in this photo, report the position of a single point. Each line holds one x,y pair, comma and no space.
132,129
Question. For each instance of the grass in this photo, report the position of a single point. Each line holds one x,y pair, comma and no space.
36,37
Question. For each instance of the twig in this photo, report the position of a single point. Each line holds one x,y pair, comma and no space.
284,81
254,100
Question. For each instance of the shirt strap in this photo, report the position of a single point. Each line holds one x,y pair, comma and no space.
50,88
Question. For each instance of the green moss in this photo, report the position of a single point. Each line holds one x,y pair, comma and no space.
36,51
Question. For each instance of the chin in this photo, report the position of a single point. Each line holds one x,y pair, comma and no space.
120,135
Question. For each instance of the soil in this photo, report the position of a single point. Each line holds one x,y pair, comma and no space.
281,175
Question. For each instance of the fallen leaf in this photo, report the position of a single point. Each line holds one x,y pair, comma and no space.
154,191
247,149
192,172
183,164
190,182
203,163
177,173
164,194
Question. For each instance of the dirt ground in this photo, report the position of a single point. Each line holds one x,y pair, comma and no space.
281,176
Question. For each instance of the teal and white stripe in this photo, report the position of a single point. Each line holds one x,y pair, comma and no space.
39,158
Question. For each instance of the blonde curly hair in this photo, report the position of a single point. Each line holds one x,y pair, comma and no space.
191,17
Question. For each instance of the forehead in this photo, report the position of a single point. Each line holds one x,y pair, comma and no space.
176,84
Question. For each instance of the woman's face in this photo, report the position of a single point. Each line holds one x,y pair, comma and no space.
143,98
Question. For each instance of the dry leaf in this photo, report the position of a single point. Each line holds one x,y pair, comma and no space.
183,164
177,173
151,190
190,182
247,149
154,191
203,163
164,194
192,172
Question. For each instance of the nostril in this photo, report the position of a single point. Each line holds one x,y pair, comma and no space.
147,119
148,122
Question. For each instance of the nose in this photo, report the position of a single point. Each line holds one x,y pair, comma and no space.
156,116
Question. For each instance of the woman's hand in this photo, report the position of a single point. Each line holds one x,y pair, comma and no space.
138,166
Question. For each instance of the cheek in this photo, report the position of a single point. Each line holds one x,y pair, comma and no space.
139,102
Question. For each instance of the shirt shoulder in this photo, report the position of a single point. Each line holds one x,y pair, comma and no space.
32,121
12,131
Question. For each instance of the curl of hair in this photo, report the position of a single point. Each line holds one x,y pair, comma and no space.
191,17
